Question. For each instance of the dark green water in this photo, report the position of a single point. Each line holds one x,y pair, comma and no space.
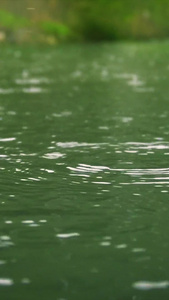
84,172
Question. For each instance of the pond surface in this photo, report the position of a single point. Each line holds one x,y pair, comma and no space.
84,172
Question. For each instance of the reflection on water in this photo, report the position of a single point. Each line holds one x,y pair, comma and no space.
84,173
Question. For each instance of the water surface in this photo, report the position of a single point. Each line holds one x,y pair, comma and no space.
84,174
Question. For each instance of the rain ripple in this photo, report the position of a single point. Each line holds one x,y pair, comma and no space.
143,176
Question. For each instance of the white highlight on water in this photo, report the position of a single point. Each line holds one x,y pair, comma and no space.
105,243
48,171
33,90
53,155
8,139
28,222
67,235
148,285
33,81
6,281
121,246
25,281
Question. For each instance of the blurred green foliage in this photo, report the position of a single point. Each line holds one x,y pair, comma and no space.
59,30
11,21
86,20
119,19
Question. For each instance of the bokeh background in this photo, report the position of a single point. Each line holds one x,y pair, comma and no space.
55,21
